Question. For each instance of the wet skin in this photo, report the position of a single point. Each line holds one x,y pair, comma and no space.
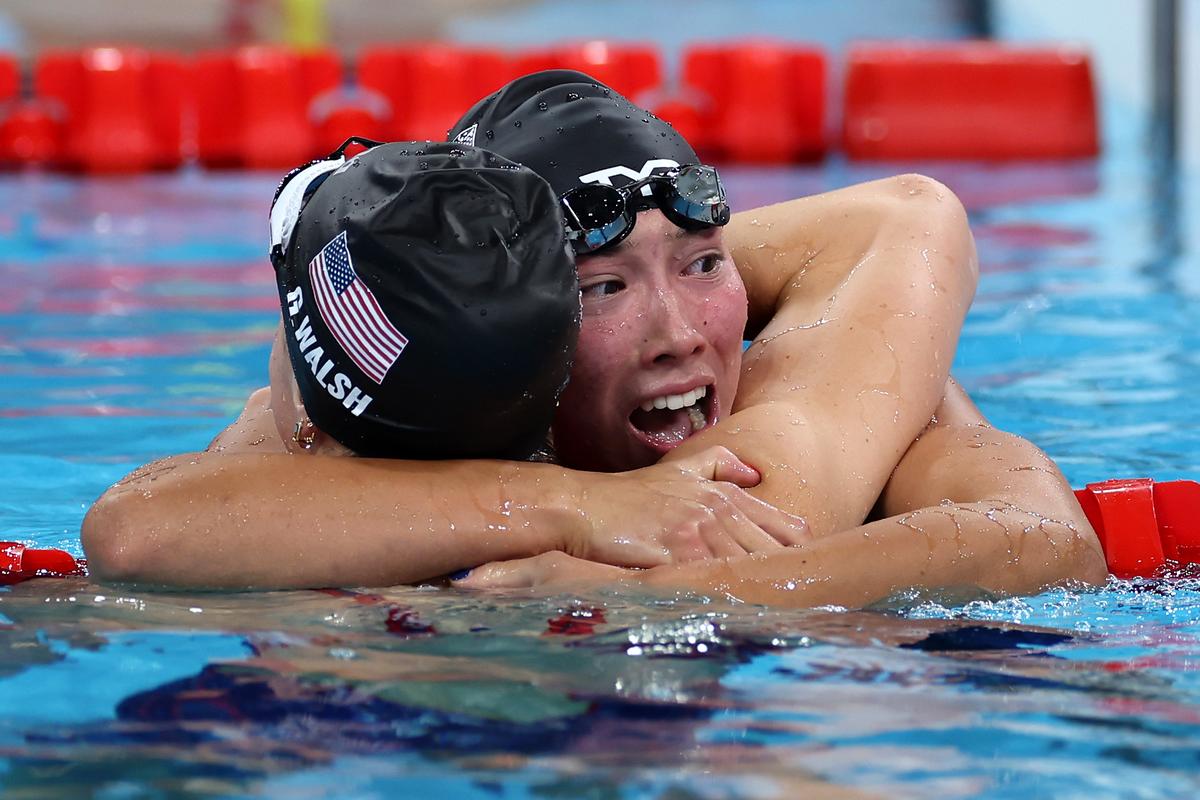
664,313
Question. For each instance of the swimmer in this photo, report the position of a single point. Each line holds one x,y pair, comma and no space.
392,264
843,402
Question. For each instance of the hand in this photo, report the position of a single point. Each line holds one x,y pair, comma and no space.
549,571
693,508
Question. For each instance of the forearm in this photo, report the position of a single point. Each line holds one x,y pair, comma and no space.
228,521
811,245
994,547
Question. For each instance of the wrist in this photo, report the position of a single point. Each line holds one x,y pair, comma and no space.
554,518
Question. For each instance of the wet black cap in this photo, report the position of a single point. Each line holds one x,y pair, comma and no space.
571,129
430,306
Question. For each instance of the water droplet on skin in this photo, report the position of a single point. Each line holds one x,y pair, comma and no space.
543,106
573,96
517,124
490,134
455,153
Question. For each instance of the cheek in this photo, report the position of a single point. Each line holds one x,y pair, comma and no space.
597,359
725,320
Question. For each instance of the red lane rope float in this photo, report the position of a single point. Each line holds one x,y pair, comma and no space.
756,101
20,563
1142,524
973,100
253,105
123,107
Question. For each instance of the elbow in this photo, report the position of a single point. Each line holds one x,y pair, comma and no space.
928,205
108,540
1088,562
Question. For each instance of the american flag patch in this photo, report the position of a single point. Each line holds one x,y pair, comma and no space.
352,313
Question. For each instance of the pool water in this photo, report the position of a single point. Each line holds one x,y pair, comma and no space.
135,318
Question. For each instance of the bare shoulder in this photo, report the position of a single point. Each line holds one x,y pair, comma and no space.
253,431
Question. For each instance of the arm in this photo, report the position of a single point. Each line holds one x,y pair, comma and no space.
284,521
858,297
968,507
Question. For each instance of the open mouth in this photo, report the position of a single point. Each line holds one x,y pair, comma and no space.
665,422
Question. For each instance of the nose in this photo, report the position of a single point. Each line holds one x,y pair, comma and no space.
674,332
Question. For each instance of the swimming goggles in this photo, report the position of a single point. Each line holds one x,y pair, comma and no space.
295,189
599,216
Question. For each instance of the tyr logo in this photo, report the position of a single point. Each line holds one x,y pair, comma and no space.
606,175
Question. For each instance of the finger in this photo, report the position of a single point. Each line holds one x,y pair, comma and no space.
720,464
734,535
690,543
775,525
742,532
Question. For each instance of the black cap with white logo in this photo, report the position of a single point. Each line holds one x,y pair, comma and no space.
571,129
430,306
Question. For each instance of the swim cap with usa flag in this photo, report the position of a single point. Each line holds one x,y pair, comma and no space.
571,129
430,305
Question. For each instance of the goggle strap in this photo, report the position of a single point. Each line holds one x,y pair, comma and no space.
286,209
289,199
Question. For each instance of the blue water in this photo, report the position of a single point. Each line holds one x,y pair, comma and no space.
134,320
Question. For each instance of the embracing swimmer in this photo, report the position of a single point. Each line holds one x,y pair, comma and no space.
843,403
390,265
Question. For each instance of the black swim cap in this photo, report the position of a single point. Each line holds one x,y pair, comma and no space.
571,129
430,306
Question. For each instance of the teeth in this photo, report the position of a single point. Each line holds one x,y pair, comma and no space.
678,401
697,419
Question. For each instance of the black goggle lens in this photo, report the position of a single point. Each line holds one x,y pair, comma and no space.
599,216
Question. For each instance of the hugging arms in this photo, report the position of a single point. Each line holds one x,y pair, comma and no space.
856,297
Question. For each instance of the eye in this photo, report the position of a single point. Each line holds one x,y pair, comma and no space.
705,265
603,288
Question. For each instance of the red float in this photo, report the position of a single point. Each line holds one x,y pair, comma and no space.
758,101
429,86
10,78
122,107
633,69
1142,524
31,135
20,563
253,105
977,100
